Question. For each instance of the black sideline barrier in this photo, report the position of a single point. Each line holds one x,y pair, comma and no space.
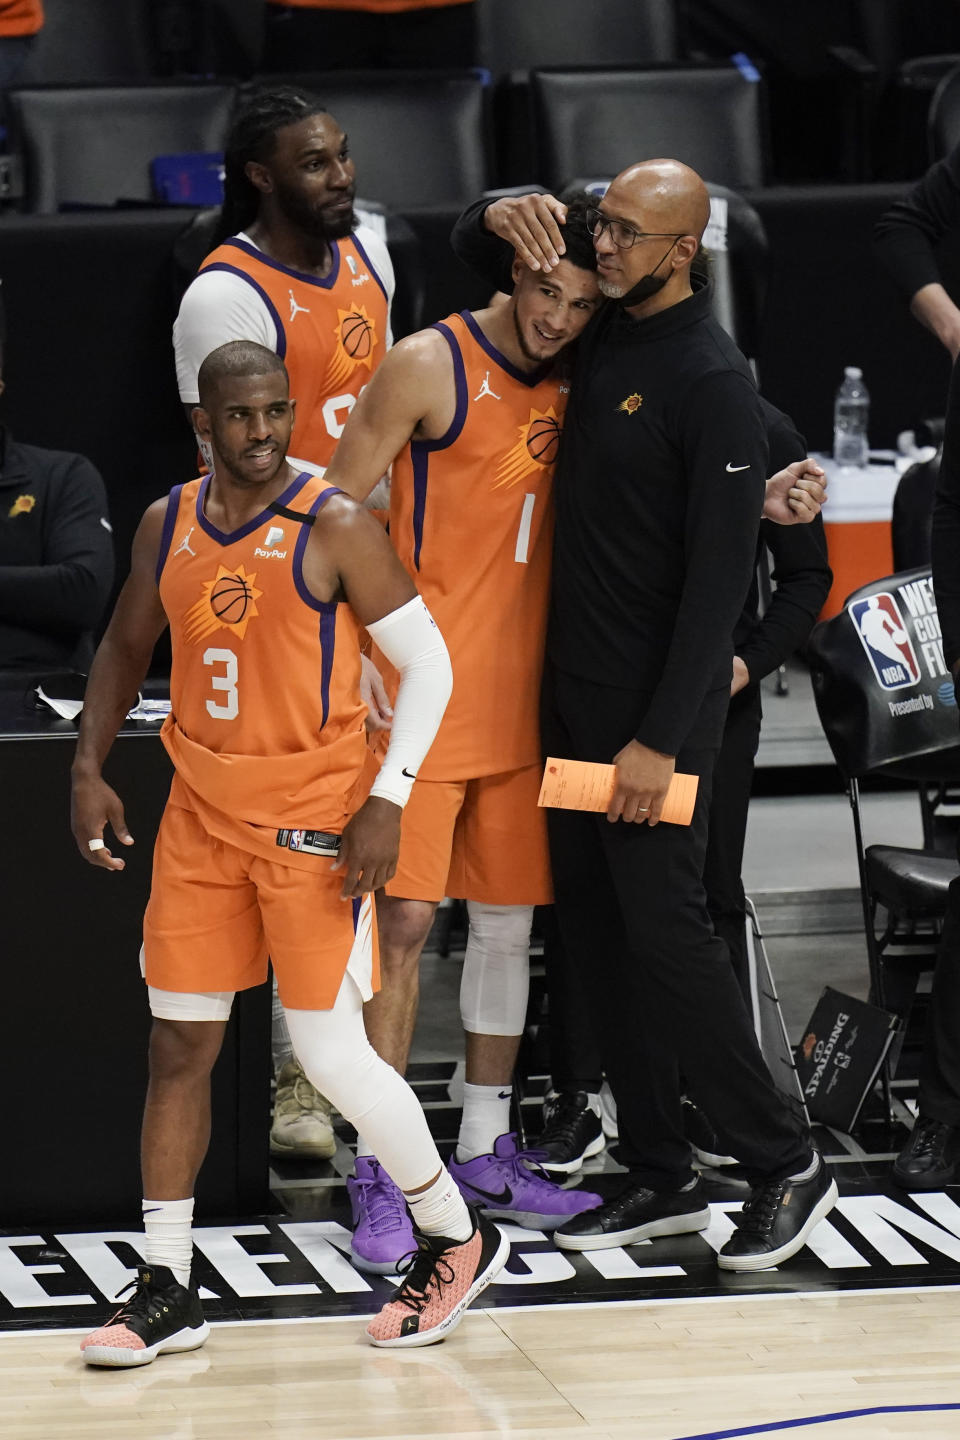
74,1020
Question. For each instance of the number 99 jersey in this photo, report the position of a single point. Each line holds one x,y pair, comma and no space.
266,729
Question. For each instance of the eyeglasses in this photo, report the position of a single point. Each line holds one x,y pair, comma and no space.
624,236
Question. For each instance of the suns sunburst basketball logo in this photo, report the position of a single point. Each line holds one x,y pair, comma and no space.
227,602
537,445
355,334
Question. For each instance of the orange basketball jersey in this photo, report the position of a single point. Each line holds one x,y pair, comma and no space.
266,730
331,333
472,520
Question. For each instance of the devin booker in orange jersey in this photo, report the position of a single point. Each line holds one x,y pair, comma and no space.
267,725
331,333
471,518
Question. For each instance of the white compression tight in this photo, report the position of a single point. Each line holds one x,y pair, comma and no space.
496,969
338,1059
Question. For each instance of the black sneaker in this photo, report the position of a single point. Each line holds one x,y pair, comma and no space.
161,1316
775,1222
571,1133
636,1214
928,1161
702,1136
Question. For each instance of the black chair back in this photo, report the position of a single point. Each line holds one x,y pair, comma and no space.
943,117
92,145
883,693
533,34
597,122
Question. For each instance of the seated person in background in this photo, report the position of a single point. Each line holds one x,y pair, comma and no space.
56,557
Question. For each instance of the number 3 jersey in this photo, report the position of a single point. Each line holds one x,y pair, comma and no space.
471,518
266,729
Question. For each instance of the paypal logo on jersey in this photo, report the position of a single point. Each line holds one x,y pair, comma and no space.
270,552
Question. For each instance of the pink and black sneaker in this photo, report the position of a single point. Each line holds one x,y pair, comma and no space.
160,1317
509,1185
442,1279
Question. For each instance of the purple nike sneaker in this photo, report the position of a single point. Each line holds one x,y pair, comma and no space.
383,1230
509,1185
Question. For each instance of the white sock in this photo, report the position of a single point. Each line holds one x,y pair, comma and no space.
810,1171
486,1116
440,1209
169,1227
362,1147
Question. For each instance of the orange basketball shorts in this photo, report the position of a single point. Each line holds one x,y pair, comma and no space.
216,913
483,840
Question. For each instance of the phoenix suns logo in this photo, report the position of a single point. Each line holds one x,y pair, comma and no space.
536,447
355,344
227,602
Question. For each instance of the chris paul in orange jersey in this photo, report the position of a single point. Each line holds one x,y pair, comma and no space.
267,846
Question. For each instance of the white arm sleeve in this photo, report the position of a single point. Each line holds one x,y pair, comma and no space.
217,307
410,640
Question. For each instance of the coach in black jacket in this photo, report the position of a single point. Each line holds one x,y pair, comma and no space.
659,489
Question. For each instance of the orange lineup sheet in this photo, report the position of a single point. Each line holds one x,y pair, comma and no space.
584,785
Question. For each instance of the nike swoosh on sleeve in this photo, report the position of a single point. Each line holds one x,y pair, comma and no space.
406,772
732,469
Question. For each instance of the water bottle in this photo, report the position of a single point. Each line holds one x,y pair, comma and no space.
851,410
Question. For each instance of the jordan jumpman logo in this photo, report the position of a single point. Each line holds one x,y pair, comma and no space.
185,547
486,390
296,309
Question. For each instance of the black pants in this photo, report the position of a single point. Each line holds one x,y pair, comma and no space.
441,37
727,834
657,981
575,1059
940,1069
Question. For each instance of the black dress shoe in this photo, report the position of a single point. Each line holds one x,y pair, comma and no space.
928,1161
775,1222
571,1133
636,1214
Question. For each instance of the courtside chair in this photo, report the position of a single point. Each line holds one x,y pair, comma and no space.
597,122
886,709
93,145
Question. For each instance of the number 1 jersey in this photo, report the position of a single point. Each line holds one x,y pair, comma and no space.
471,517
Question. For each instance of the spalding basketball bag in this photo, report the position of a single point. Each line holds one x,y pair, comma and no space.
883,692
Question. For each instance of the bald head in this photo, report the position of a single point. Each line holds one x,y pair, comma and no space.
242,359
648,233
670,196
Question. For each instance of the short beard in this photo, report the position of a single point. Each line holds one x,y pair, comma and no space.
311,221
524,347
611,291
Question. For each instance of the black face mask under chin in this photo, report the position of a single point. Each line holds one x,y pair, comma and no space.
647,285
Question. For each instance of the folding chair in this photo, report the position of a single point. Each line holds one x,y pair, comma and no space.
887,707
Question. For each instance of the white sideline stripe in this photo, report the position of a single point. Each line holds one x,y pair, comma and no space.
494,1310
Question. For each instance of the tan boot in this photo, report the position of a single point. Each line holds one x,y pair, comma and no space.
302,1129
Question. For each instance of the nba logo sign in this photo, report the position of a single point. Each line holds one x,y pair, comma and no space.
885,638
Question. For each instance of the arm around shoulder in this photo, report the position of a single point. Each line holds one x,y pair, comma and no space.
412,391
